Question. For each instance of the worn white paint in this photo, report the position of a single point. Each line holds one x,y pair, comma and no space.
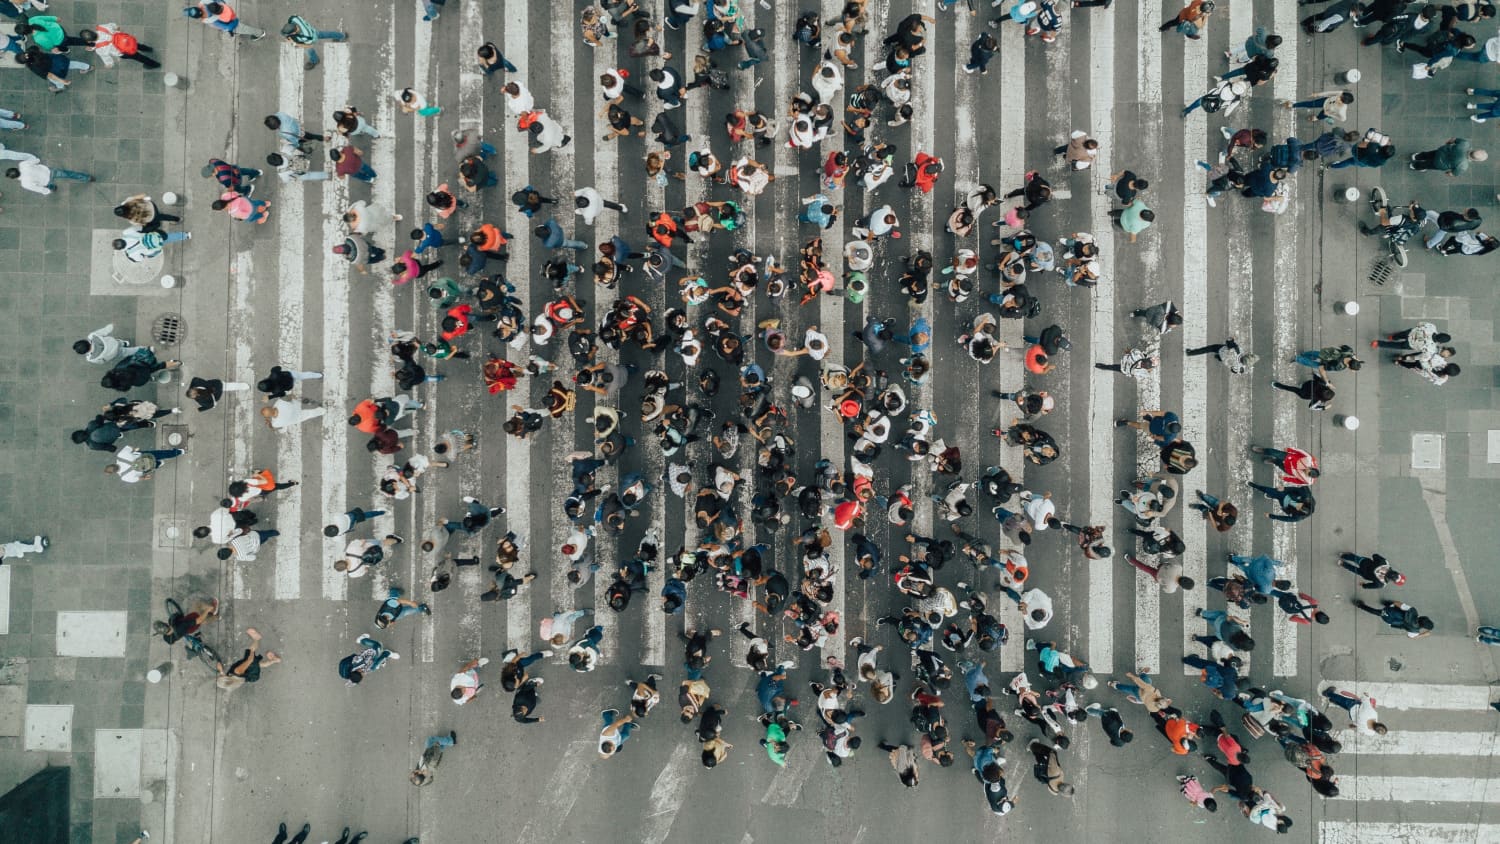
290,218
1346,832
669,791
1418,789
335,293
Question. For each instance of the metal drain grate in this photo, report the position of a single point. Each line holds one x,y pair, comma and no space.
1383,270
169,329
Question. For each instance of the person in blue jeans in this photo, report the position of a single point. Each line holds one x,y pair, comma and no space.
1261,572
614,732
395,608
1224,628
552,236
1222,680
1488,635
1484,111
432,756
975,681
303,34
346,522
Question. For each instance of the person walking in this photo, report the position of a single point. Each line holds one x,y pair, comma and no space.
222,16
432,756
279,382
464,684
16,549
1374,570
208,392
1399,616
371,657
1316,391
1363,718
133,465
349,161
102,347
1453,157
395,607
109,42
297,30
244,547
36,176
615,732
346,521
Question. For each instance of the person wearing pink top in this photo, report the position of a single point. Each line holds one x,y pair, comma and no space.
242,207
1196,794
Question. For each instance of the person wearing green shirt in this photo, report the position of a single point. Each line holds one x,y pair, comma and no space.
1134,218
46,33
1452,157
775,743
442,350
445,293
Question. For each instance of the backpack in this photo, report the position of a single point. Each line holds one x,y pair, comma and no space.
125,43
1212,102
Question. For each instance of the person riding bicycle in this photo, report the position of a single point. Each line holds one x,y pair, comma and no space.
1398,229
188,623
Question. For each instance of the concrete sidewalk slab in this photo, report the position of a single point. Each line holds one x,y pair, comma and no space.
99,634
49,728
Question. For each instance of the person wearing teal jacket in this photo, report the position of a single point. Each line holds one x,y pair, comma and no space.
45,32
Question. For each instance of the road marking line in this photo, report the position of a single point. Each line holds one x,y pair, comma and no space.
668,792
290,222
1342,832
1450,698
1418,789
335,284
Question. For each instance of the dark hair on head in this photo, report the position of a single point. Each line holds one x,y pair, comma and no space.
1186,582
1451,369
1148,215
201,532
709,760
1063,742
331,530
1320,617
224,553
356,676
458,693
1210,804
217,204
1441,337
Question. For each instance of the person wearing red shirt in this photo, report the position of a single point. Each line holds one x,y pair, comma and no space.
923,172
366,417
456,323
1300,467
350,161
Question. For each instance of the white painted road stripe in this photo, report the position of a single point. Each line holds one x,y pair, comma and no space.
1420,743
1342,832
1419,789
242,419
1452,698
335,277
290,216
668,792
1102,345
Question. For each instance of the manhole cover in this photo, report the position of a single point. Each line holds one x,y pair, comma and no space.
169,329
173,533
1427,451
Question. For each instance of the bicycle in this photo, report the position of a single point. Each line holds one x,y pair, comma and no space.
192,642
1395,229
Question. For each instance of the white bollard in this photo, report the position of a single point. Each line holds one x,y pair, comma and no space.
171,198
1346,308
1348,423
1347,77
1346,195
172,80
169,281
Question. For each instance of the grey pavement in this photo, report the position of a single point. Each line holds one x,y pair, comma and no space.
193,763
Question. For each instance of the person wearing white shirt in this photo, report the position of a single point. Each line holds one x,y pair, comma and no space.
1040,509
139,245
518,99
36,176
1036,606
588,204
102,347
134,465
1363,718
245,546
465,684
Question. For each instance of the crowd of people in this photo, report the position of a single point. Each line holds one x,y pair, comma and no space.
945,622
